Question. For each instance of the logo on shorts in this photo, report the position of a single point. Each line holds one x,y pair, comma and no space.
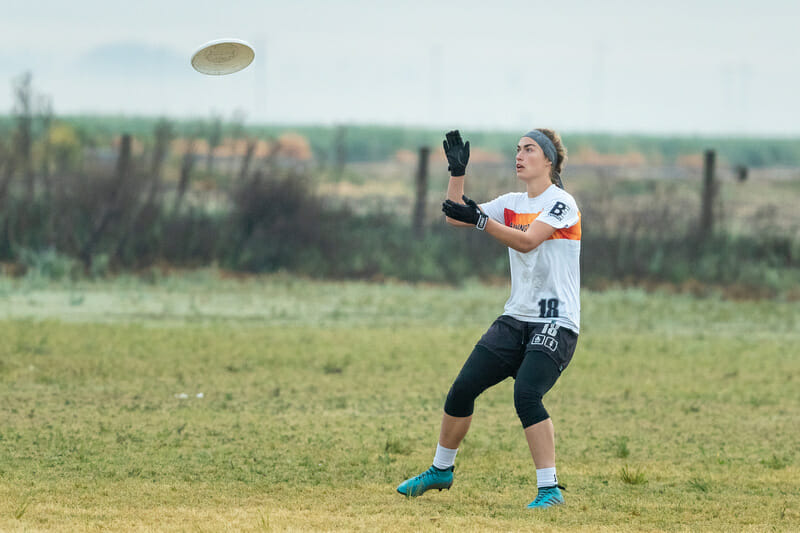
547,338
559,210
543,340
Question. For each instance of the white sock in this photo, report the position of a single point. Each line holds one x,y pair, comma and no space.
546,477
444,458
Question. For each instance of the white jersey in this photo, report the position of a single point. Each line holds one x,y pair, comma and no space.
545,282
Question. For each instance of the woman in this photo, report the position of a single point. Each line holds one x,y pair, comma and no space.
533,341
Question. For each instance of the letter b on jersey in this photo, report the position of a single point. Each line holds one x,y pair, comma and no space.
559,210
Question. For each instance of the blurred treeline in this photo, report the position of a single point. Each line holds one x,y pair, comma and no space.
366,143
90,196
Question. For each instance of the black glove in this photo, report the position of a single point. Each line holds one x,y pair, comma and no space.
469,213
457,153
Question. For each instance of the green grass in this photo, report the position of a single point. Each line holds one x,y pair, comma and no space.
632,476
677,414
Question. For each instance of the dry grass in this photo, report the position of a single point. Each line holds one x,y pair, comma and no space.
319,398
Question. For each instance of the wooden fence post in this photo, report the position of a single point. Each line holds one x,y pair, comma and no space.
124,157
112,207
187,165
340,150
709,191
741,173
418,220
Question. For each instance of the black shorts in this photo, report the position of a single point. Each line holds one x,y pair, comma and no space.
511,339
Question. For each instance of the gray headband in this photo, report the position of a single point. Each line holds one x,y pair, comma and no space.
545,144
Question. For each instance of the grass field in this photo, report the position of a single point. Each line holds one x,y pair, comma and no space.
202,404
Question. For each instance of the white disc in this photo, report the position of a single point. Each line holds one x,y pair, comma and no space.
223,56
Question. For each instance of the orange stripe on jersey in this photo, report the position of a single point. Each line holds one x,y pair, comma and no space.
519,221
522,221
572,233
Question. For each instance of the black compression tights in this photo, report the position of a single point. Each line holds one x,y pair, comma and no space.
534,377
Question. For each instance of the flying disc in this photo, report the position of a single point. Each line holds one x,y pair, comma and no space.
223,56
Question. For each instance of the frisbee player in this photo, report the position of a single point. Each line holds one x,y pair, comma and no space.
534,339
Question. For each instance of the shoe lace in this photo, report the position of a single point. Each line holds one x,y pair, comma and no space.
429,473
545,492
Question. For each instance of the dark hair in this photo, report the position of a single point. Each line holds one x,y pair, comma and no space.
561,152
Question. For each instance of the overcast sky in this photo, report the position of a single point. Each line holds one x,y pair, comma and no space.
686,67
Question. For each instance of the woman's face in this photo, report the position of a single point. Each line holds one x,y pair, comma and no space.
531,161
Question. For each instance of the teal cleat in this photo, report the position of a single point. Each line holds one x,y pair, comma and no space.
432,478
547,497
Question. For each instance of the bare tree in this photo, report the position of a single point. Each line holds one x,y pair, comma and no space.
187,165
45,112
6,170
247,159
23,135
